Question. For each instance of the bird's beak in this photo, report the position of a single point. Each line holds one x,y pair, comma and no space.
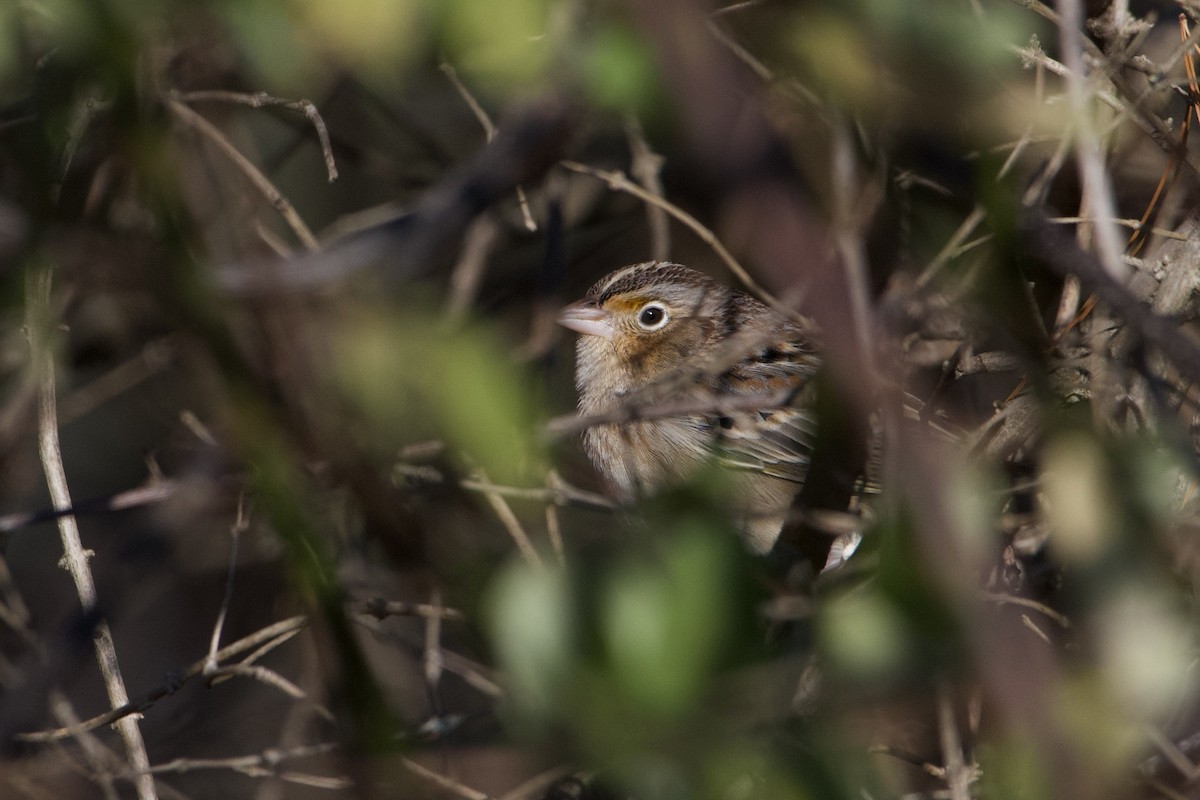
587,318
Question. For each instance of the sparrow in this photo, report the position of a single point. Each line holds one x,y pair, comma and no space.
678,369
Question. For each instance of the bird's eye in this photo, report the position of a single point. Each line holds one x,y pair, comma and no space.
652,316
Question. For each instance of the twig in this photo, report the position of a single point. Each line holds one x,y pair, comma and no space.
173,684
441,780
951,248
959,775
1089,159
538,784
646,166
154,491
485,120
553,529
489,132
235,532
510,521
1035,56
271,678
1059,251
562,494
620,182
154,357
261,100
1038,632
848,233
1172,753
735,7
103,762
262,765
529,145
260,181
379,608
1011,599
716,405
432,660
80,120
1136,225
269,646
473,674
75,557
1039,98
477,245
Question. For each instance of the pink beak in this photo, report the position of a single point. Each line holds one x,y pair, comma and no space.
587,318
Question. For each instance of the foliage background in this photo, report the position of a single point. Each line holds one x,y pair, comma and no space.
325,424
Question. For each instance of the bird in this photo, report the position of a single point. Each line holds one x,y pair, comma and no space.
675,369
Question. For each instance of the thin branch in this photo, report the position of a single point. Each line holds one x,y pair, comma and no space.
262,765
443,781
271,678
1059,251
1089,158
1173,754
553,529
75,557
240,524
510,522
958,774
952,247
260,181
489,132
80,121
173,683
154,358
154,491
851,202
478,243
379,608
104,763
560,493
485,120
1015,600
620,182
432,659
1136,225
538,784
1038,632
717,405
646,166
262,100
1035,56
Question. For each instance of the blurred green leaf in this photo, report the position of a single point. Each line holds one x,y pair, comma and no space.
1147,648
501,44
293,42
619,70
1012,766
665,623
864,634
1079,497
530,617
414,376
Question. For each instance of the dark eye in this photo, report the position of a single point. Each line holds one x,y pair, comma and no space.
652,316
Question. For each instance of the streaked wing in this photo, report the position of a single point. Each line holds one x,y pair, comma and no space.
775,442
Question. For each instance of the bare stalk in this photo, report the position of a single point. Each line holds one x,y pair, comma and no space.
75,557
